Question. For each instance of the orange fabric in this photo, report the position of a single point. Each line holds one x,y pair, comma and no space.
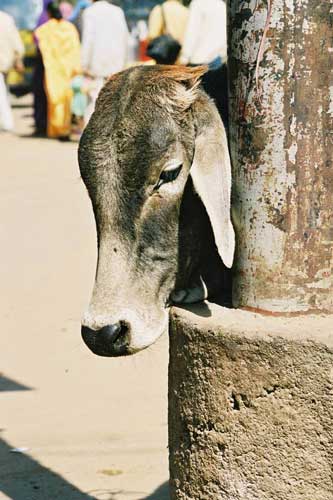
60,48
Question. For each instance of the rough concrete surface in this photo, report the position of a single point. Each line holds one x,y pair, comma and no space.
250,406
91,428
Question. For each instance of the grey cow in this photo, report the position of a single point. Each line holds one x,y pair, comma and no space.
155,161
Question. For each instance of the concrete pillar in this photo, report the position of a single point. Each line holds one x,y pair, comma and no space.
250,406
281,134
251,396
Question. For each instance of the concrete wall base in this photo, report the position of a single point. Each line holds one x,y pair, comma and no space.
250,406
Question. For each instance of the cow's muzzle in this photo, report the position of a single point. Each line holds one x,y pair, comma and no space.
109,341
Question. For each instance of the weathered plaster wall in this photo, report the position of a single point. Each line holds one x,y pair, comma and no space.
250,406
282,152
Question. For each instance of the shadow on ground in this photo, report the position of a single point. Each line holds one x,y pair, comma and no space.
7,385
23,478
162,493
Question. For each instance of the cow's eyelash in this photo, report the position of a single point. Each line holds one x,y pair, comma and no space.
169,175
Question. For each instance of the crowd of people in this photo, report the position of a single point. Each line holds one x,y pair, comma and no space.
11,54
79,47
200,30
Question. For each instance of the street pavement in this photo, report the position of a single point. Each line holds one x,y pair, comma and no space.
72,426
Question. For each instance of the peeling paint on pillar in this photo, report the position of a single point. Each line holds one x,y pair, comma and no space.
281,137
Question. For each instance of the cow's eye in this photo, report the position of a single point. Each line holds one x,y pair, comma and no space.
169,175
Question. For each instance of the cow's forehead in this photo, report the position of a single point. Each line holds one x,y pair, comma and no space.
125,163
126,137
127,145
131,132
129,94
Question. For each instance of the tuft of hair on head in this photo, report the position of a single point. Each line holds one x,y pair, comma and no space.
54,11
183,83
184,74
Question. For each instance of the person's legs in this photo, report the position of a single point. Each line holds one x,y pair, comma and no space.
6,115
95,86
40,101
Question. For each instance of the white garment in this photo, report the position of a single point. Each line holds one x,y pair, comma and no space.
11,45
6,115
104,39
206,32
95,85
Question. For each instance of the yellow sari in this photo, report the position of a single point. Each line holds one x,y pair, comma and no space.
60,48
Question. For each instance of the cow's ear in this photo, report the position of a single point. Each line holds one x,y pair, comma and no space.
211,175
190,77
184,87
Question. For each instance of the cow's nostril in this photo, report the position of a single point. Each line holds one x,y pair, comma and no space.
111,333
111,340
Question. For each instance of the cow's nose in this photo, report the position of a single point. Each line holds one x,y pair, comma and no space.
111,340
110,333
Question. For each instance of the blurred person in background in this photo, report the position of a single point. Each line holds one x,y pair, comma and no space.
104,46
66,10
77,14
59,45
171,20
38,90
79,105
205,39
133,45
11,55
43,18
142,29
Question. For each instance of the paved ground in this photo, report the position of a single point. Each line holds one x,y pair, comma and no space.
93,428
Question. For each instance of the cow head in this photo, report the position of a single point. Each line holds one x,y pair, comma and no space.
151,129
